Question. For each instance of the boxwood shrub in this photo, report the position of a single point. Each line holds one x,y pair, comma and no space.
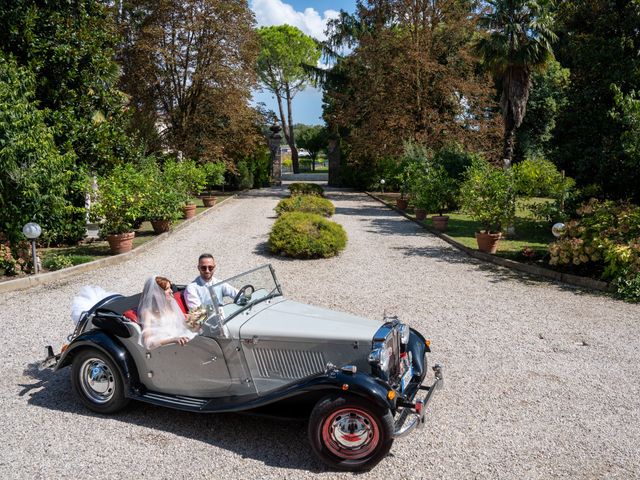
306,203
298,188
306,235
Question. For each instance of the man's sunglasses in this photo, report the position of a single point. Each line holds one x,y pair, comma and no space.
207,268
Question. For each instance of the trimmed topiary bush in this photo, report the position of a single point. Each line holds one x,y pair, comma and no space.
305,235
306,189
306,203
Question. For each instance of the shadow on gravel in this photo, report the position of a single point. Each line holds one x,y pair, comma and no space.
495,273
275,442
271,193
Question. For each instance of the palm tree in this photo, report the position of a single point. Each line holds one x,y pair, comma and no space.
518,41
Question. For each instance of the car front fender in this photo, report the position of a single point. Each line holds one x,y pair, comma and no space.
103,342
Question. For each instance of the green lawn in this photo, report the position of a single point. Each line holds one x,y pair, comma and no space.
529,232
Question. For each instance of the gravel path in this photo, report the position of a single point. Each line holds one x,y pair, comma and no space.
541,380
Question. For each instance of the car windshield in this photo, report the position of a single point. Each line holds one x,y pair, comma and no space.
238,293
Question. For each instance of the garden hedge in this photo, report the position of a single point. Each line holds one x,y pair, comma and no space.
298,188
306,203
306,235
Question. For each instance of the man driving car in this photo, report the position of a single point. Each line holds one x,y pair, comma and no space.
197,292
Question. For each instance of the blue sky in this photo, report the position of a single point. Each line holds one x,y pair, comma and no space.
311,17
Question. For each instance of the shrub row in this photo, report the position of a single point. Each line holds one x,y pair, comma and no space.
301,230
306,203
306,189
306,235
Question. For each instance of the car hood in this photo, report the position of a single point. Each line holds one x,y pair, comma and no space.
292,320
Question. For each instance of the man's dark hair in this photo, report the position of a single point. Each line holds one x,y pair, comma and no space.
205,255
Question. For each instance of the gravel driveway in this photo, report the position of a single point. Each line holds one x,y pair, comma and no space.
541,380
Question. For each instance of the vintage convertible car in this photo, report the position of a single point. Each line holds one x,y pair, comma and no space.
359,380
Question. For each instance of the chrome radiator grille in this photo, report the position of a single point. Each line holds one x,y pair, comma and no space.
290,364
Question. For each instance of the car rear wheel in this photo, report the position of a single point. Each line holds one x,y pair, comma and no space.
98,382
349,433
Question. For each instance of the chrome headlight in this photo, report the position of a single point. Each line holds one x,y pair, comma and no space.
405,331
380,357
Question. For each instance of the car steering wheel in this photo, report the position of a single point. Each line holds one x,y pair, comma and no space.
244,295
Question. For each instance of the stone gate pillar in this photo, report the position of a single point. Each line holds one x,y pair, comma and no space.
333,152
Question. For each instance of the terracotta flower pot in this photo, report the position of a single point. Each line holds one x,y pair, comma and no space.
402,203
189,210
488,242
440,222
121,243
208,200
421,214
161,226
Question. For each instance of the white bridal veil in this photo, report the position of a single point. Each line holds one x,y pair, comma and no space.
161,317
88,296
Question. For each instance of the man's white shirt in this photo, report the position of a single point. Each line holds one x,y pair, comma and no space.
197,292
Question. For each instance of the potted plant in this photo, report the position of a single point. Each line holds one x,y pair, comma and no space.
487,195
403,181
188,179
163,200
214,175
117,206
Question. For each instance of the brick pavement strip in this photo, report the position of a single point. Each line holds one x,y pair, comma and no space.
541,378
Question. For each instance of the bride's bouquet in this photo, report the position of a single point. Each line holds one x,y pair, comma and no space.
197,316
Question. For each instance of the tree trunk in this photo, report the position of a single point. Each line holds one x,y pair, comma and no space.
509,145
291,139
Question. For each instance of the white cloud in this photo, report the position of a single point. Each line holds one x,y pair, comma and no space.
276,12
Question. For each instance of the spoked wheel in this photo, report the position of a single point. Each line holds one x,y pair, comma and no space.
98,382
349,433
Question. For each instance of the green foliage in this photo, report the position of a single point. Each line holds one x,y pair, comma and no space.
244,176
298,188
284,50
487,195
547,98
120,199
305,235
455,160
186,176
57,262
313,138
539,178
599,44
306,203
606,233
214,174
627,111
68,47
37,182
627,286
260,163
161,193
431,187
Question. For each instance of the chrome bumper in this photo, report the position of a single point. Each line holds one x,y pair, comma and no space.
413,416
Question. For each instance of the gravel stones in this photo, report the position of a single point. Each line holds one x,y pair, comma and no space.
541,380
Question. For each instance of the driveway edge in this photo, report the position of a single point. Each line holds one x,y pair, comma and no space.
44,278
574,280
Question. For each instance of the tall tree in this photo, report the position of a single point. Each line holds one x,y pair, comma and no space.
517,41
314,139
284,50
547,99
189,69
599,41
408,74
